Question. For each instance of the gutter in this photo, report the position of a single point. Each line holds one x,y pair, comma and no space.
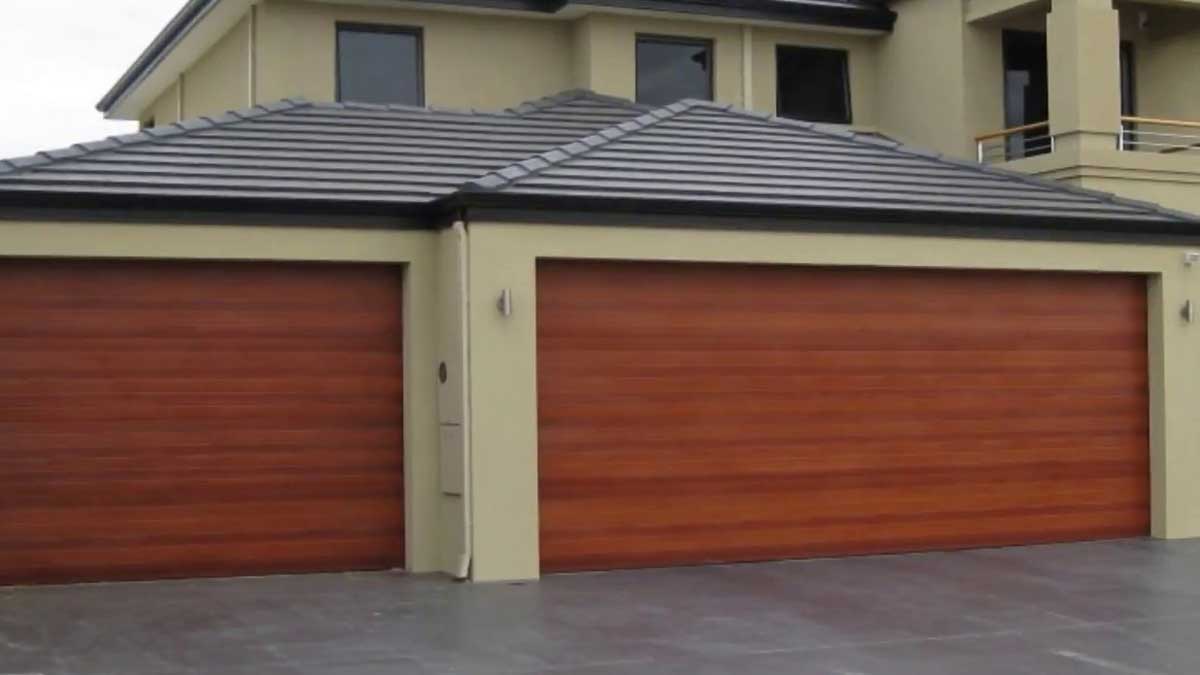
691,214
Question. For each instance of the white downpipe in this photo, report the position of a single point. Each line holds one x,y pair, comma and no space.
461,235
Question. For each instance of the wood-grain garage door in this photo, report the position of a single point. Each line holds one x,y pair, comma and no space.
190,419
700,413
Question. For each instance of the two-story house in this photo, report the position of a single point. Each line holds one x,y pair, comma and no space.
1097,91
504,287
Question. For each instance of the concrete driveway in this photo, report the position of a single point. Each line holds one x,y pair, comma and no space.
1109,608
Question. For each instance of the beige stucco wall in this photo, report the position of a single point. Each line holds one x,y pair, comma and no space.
165,109
415,250
921,77
221,80
1167,52
492,61
612,39
471,60
503,350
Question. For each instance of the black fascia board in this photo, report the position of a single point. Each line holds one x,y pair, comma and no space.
881,19
236,210
772,216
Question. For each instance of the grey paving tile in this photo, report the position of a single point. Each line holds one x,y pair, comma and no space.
1130,606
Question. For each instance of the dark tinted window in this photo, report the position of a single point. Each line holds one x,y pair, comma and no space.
670,69
379,64
813,84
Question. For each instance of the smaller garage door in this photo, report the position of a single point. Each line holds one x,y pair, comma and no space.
189,419
704,413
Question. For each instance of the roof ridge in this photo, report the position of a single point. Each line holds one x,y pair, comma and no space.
498,179
405,108
942,158
566,96
17,165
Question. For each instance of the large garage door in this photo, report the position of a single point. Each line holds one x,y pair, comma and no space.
185,419
700,413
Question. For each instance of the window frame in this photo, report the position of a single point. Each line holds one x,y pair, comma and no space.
846,82
708,44
416,32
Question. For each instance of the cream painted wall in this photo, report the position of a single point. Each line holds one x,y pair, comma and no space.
415,250
471,60
221,80
921,78
611,40
489,61
503,350
165,109
1167,53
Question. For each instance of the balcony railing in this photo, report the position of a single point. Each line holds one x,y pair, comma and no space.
1150,134
1016,143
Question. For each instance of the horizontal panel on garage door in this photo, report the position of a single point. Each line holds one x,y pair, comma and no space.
693,413
174,419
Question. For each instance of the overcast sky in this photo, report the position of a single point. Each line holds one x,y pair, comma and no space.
59,57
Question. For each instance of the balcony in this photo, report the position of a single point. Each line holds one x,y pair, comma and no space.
1101,94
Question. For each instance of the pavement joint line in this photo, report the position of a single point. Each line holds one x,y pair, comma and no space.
1103,663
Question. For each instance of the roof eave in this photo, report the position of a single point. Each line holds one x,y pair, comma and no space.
232,210
881,19
769,216
180,25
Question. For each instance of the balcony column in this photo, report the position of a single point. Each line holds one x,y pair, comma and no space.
1083,39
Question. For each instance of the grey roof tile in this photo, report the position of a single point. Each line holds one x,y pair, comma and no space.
704,153
575,144
295,149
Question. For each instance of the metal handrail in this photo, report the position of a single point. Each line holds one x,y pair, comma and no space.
1133,138
1013,130
987,152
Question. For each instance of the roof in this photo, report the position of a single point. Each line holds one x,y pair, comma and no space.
577,150
859,14
332,152
698,152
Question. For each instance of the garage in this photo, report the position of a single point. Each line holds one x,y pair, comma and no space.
694,413
182,419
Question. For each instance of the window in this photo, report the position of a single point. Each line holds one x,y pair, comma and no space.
379,64
670,69
813,84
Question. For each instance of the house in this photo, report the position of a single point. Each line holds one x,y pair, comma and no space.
576,333
1094,93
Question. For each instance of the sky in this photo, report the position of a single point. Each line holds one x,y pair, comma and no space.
59,57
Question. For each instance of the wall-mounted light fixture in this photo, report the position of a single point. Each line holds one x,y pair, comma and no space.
505,303
1188,313
1190,258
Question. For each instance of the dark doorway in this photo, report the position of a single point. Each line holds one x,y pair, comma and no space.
1026,92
